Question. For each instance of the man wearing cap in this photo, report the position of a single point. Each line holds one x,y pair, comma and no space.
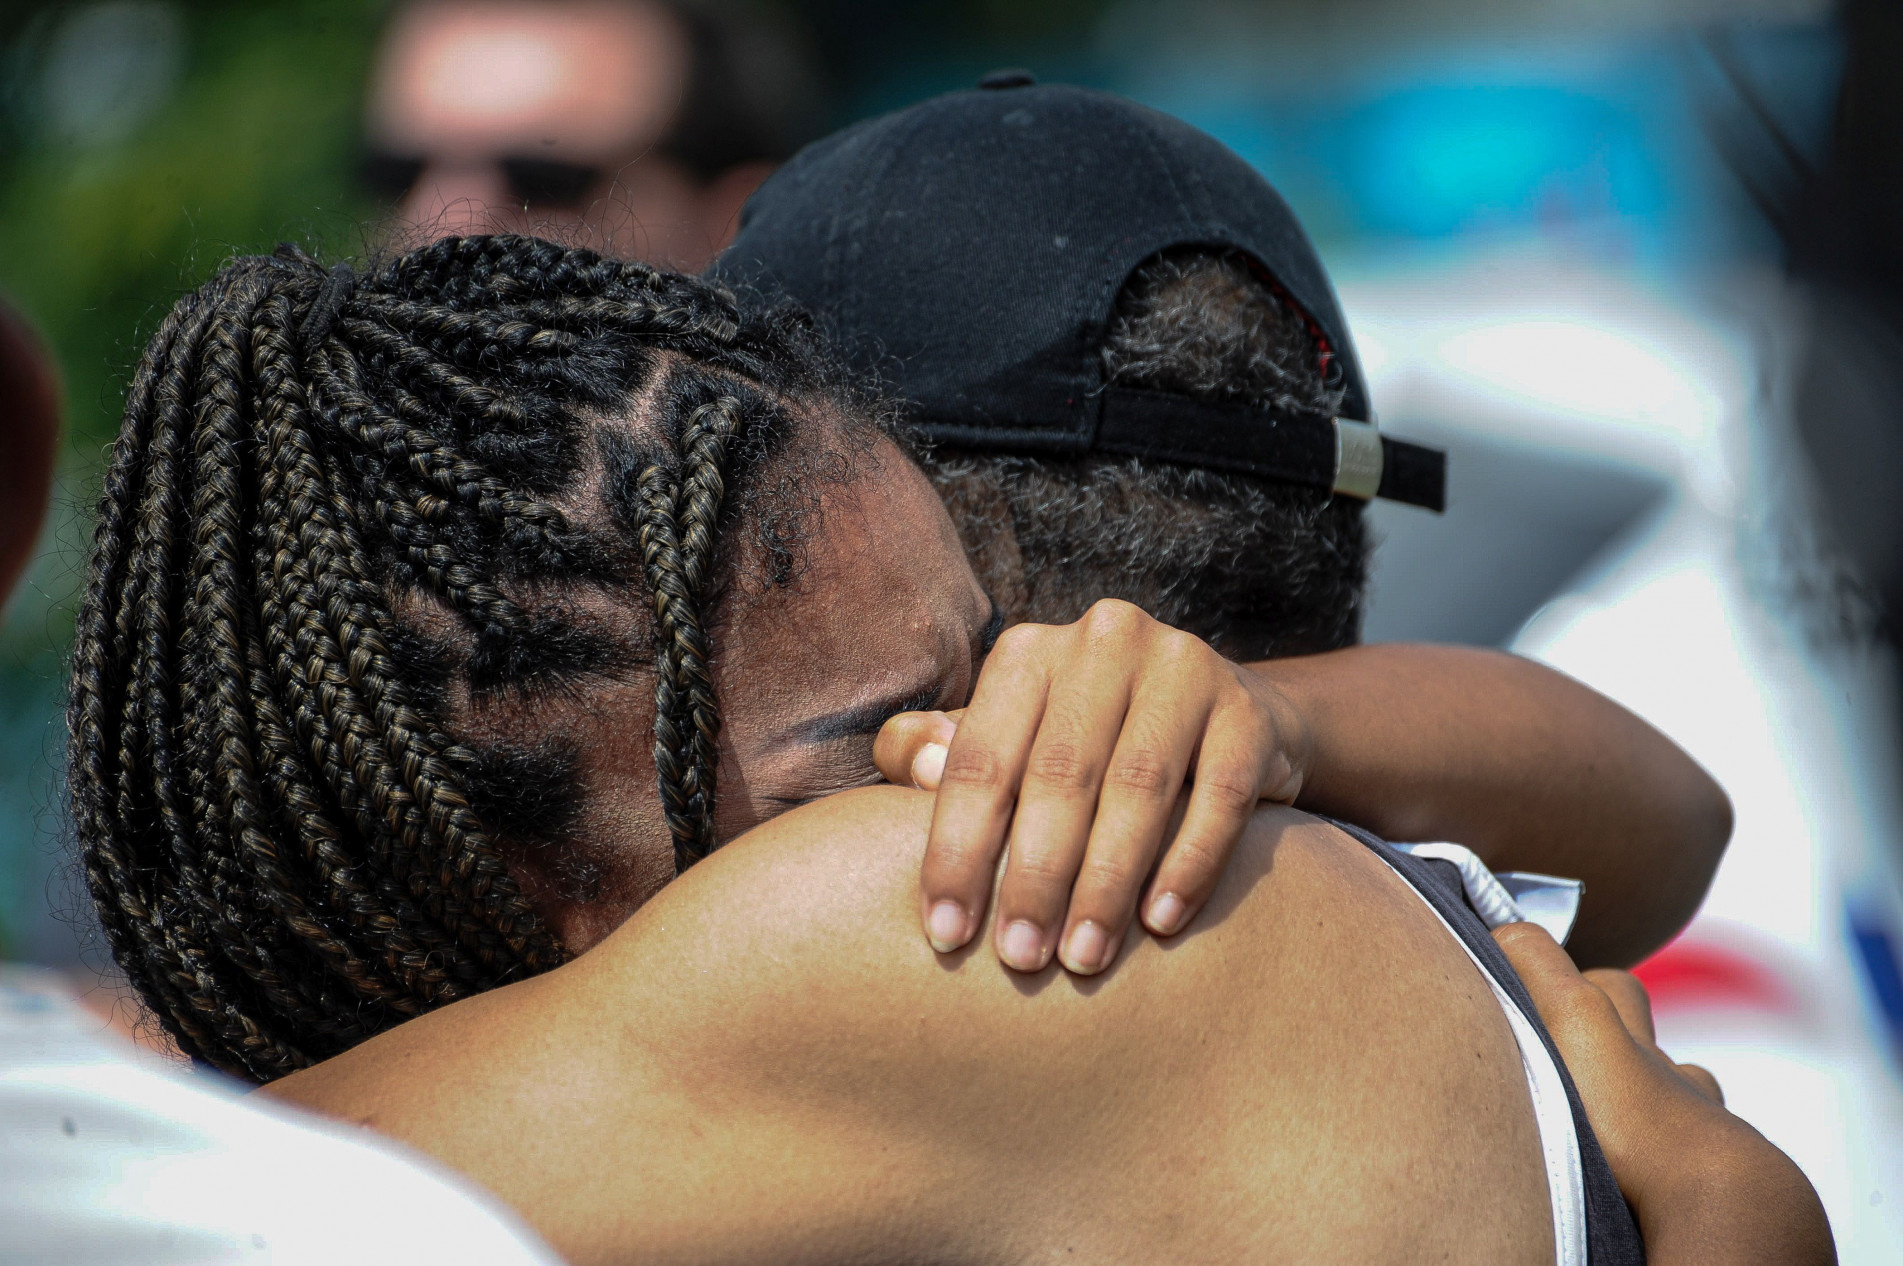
982,239
1139,385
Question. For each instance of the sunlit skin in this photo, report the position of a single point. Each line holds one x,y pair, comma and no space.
768,1064
463,85
1703,1184
1080,736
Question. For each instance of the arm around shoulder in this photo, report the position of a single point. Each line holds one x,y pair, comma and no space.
1522,764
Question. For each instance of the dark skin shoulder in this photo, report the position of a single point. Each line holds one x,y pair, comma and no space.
766,1064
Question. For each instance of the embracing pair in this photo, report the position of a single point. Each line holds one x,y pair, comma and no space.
475,646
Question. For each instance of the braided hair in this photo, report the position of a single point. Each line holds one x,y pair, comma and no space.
336,503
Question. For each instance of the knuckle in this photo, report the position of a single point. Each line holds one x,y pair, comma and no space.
1142,772
955,859
1111,875
1017,642
1061,767
972,769
1230,791
1115,611
1180,650
1111,618
1577,1007
1198,856
1039,870
1616,984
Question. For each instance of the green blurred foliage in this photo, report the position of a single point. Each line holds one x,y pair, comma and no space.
255,144
251,141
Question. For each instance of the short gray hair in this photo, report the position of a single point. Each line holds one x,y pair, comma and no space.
1255,567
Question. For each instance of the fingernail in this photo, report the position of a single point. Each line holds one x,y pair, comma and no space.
948,927
1166,914
928,767
1023,946
1085,951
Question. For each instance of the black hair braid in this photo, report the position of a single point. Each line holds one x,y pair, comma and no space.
320,608
276,824
98,678
166,933
678,512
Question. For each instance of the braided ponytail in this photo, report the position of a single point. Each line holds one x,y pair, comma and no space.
276,819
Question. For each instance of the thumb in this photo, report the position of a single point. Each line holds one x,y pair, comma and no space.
910,749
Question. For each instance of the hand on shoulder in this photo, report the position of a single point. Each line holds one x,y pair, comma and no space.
1705,1186
1117,759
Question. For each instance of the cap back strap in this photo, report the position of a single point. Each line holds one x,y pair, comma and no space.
1337,454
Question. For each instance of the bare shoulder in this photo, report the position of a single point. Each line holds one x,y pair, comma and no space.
822,903
1314,1042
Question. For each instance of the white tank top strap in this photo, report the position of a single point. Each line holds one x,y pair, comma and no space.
1559,1140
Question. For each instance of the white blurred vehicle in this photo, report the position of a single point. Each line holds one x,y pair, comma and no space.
1626,505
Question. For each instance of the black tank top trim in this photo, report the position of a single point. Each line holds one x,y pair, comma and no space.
1612,1236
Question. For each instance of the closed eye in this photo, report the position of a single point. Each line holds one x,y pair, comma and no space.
866,719
844,760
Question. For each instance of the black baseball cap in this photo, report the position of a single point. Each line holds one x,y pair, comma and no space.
970,249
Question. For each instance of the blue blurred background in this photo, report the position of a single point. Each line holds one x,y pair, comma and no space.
1632,263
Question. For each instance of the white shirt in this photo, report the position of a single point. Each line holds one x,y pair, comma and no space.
111,1155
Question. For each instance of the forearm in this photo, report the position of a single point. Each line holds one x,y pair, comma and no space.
1523,765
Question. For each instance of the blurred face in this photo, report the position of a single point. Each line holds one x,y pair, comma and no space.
505,115
886,616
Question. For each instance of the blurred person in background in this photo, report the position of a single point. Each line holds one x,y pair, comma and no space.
635,127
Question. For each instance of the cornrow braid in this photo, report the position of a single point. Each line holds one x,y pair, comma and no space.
315,471
677,519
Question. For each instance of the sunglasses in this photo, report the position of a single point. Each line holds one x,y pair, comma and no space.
536,181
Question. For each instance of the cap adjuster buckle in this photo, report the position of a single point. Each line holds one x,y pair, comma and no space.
1359,459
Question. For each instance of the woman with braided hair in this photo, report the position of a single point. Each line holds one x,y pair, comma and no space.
378,562
389,569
